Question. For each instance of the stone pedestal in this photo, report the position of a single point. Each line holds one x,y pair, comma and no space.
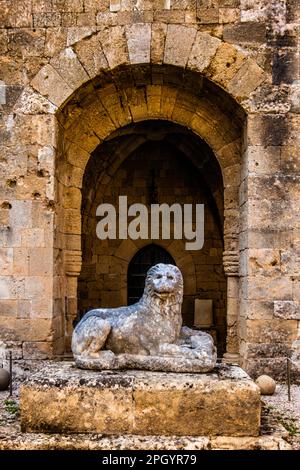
63,399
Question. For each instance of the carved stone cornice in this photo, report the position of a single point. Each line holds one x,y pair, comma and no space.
231,263
73,262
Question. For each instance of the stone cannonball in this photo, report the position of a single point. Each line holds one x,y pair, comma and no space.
266,384
4,379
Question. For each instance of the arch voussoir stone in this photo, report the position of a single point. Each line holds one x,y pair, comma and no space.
90,53
203,50
112,100
51,85
114,46
158,40
94,124
179,42
143,43
69,68
138,36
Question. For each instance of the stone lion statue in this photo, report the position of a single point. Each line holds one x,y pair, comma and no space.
147,335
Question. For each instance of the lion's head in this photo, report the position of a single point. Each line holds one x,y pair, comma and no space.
165,282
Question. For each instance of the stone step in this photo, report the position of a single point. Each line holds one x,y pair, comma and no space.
31,441
63,399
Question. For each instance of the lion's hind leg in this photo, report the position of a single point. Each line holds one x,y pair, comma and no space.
90,336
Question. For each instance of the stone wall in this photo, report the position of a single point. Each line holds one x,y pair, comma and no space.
226,69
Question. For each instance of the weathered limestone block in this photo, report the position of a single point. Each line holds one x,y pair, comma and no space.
75,35
179,42
26,43
246,80
290,258
40,261
138,40
275,287
261,130
47,20
56,40
246,443
261,261
41,308
16,14
69,67
137,103
184,108
21,441
158,38
203,50
21,259
269,350
99,121
248,32
37,350
8,308
287,309
35,129
50,84
31,102
262,160
23,329
269,98
225,64
61,398
6,261
114,46
39,6
76,155
89,141
116,108
115,5
229,15
252,10
274,187
253,309
3,41
72,198
271,331
34,285
11,287
207,12
91,55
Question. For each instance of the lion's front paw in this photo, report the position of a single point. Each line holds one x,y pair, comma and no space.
94,354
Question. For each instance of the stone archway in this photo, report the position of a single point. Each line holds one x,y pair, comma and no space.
109,80
168,102
157,160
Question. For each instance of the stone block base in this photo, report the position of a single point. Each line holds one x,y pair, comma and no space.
26,441
63,399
